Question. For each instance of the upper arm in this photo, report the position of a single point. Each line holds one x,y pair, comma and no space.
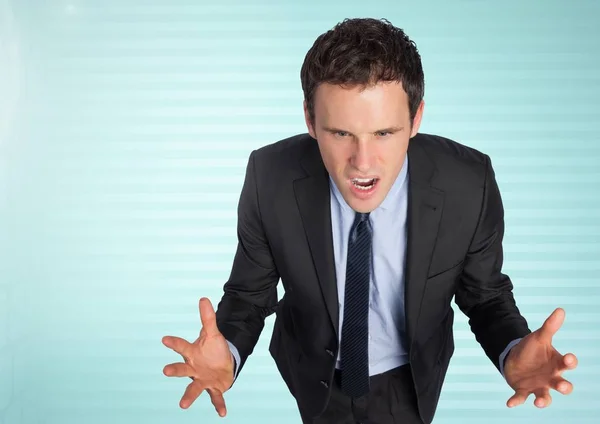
482,277
251,234
484,292
250,292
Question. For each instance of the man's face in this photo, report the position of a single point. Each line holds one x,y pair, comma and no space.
363,137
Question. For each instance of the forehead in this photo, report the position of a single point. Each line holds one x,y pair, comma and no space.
382,103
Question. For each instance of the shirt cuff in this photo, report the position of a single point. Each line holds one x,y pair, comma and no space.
236,358
505,354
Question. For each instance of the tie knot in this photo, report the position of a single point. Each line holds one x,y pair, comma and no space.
361,220
361,217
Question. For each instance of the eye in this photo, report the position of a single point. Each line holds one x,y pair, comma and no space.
382,133
341,133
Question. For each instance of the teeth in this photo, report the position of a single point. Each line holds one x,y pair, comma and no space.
356,181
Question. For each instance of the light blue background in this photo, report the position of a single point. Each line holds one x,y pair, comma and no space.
125,128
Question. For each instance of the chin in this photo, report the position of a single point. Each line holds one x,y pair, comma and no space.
362,205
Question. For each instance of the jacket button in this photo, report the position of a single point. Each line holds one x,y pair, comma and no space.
324,383
329,352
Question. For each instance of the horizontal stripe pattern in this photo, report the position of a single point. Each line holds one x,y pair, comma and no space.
123,144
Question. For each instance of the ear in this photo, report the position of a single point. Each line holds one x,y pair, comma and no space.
309,124
417,121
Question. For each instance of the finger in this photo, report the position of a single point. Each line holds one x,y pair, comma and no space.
218,401
192,391
570,361
178,344
208,317
542,398
552,325
517,399
561,385
178,369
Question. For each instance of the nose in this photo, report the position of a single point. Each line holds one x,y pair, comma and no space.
361,158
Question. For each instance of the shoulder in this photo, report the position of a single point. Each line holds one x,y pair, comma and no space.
442,149
457,165
289,148
283,158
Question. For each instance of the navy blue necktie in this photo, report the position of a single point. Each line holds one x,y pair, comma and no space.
355,327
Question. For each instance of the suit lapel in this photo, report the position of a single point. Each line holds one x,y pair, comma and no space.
313,199
425,205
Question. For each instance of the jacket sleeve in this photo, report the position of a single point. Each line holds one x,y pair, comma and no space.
250,293
485,293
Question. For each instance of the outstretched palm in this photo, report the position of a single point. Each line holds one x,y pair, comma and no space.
534,366
208,361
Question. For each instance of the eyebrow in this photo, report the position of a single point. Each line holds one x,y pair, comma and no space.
389,129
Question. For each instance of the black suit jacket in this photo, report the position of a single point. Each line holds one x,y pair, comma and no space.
454,250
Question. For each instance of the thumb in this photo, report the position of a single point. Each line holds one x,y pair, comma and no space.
208,317
552,324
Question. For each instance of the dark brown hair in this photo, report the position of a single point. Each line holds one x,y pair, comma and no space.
363,51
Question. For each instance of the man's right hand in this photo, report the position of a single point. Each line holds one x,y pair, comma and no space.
208,361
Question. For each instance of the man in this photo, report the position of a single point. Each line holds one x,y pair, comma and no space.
373,228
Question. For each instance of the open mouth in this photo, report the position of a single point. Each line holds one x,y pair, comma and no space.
364,183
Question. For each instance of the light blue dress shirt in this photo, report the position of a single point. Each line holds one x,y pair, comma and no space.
387,327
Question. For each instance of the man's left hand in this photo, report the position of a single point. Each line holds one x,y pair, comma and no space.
534,366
